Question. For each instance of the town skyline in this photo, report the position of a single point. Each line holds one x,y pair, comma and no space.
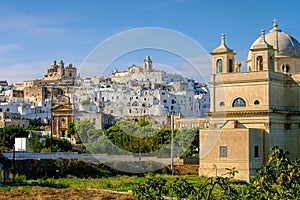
38,33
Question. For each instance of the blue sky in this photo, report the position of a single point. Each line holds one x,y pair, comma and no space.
34,33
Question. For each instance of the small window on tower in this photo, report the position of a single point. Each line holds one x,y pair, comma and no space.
222,103
219,66
256,152
259,62
230,65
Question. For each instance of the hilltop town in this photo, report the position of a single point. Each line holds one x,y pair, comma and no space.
61,97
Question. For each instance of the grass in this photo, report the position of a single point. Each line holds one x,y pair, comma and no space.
116,183
121,183
25,189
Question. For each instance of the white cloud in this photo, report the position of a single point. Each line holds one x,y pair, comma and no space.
36,25
17,73
8,47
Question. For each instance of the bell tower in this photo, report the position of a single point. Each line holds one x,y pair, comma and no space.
222,64
262,56
222,58
147,65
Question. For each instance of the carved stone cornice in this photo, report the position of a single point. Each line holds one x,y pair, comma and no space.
240,113
251,113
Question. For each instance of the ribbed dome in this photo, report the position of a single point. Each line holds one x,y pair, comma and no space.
283,43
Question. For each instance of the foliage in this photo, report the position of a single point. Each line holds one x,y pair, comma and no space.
279,179
60,168
137,138
85,102
9,133
5,161
133,137
143,122
37,145
35,124
152,188
71,130
86,131
141,137
20,178
182,188
228,192
193,149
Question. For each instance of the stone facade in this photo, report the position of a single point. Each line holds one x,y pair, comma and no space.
59,72
255,110
62,115
12,119
57,81
190,122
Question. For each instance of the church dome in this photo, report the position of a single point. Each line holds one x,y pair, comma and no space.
284,44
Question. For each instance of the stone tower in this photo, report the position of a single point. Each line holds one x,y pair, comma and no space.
147,65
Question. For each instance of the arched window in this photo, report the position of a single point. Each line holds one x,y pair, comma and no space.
256,102
259,63
239,102
197,106
222,103
271,63
230,65
135,104
219,66
285,68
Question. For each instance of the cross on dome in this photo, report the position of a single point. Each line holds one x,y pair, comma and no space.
275,25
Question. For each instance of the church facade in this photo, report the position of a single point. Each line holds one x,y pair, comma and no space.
252,111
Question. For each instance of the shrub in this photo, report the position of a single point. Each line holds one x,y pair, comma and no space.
20,178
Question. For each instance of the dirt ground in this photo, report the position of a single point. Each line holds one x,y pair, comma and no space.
46,193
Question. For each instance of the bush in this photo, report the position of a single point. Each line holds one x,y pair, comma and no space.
58,145
152,188
20,178
60,168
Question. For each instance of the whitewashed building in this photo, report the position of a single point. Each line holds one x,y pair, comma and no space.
141,91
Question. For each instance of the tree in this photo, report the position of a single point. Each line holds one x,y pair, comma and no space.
35,124
58,145
9,133
86,131
71,130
